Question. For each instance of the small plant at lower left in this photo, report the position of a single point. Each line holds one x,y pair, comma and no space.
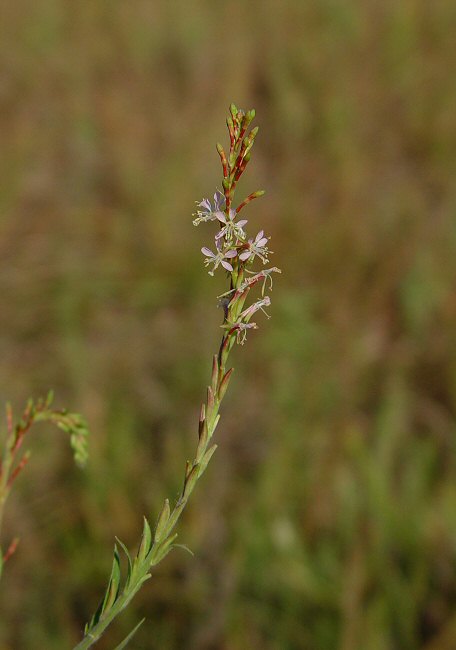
14,458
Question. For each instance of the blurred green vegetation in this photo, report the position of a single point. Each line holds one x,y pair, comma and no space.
327,519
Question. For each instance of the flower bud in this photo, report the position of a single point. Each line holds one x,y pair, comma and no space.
224,384
162,521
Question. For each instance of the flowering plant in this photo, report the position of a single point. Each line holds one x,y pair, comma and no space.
235,253
13,459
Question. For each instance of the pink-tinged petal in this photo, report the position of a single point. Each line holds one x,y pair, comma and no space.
232,214
220,216
207,252
231,253
219,234
259,236
262,242
244,256
205,203
242,223
227,265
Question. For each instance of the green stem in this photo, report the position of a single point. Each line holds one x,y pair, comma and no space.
5,466
141,571
149,553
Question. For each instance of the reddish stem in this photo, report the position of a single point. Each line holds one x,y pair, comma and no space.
11,549
22,463
253,195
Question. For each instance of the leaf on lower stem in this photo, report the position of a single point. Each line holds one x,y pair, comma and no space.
128,638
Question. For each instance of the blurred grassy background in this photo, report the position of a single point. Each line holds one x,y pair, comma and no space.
327,519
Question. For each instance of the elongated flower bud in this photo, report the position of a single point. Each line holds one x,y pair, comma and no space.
224,384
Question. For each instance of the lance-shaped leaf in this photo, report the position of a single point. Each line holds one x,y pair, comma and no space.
164,549
129,562
128,638
162,521
190,481
114,583
205,459
146,542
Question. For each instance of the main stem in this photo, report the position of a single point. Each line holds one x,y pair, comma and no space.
141,573
232,170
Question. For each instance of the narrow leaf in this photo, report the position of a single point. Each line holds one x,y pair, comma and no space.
128,638
206,458
190,481
185,548
164,550
114,583
162,521
146,541
224,383
129,563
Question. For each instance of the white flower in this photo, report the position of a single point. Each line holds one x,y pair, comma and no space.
220,257
207,212
256,247
231,229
